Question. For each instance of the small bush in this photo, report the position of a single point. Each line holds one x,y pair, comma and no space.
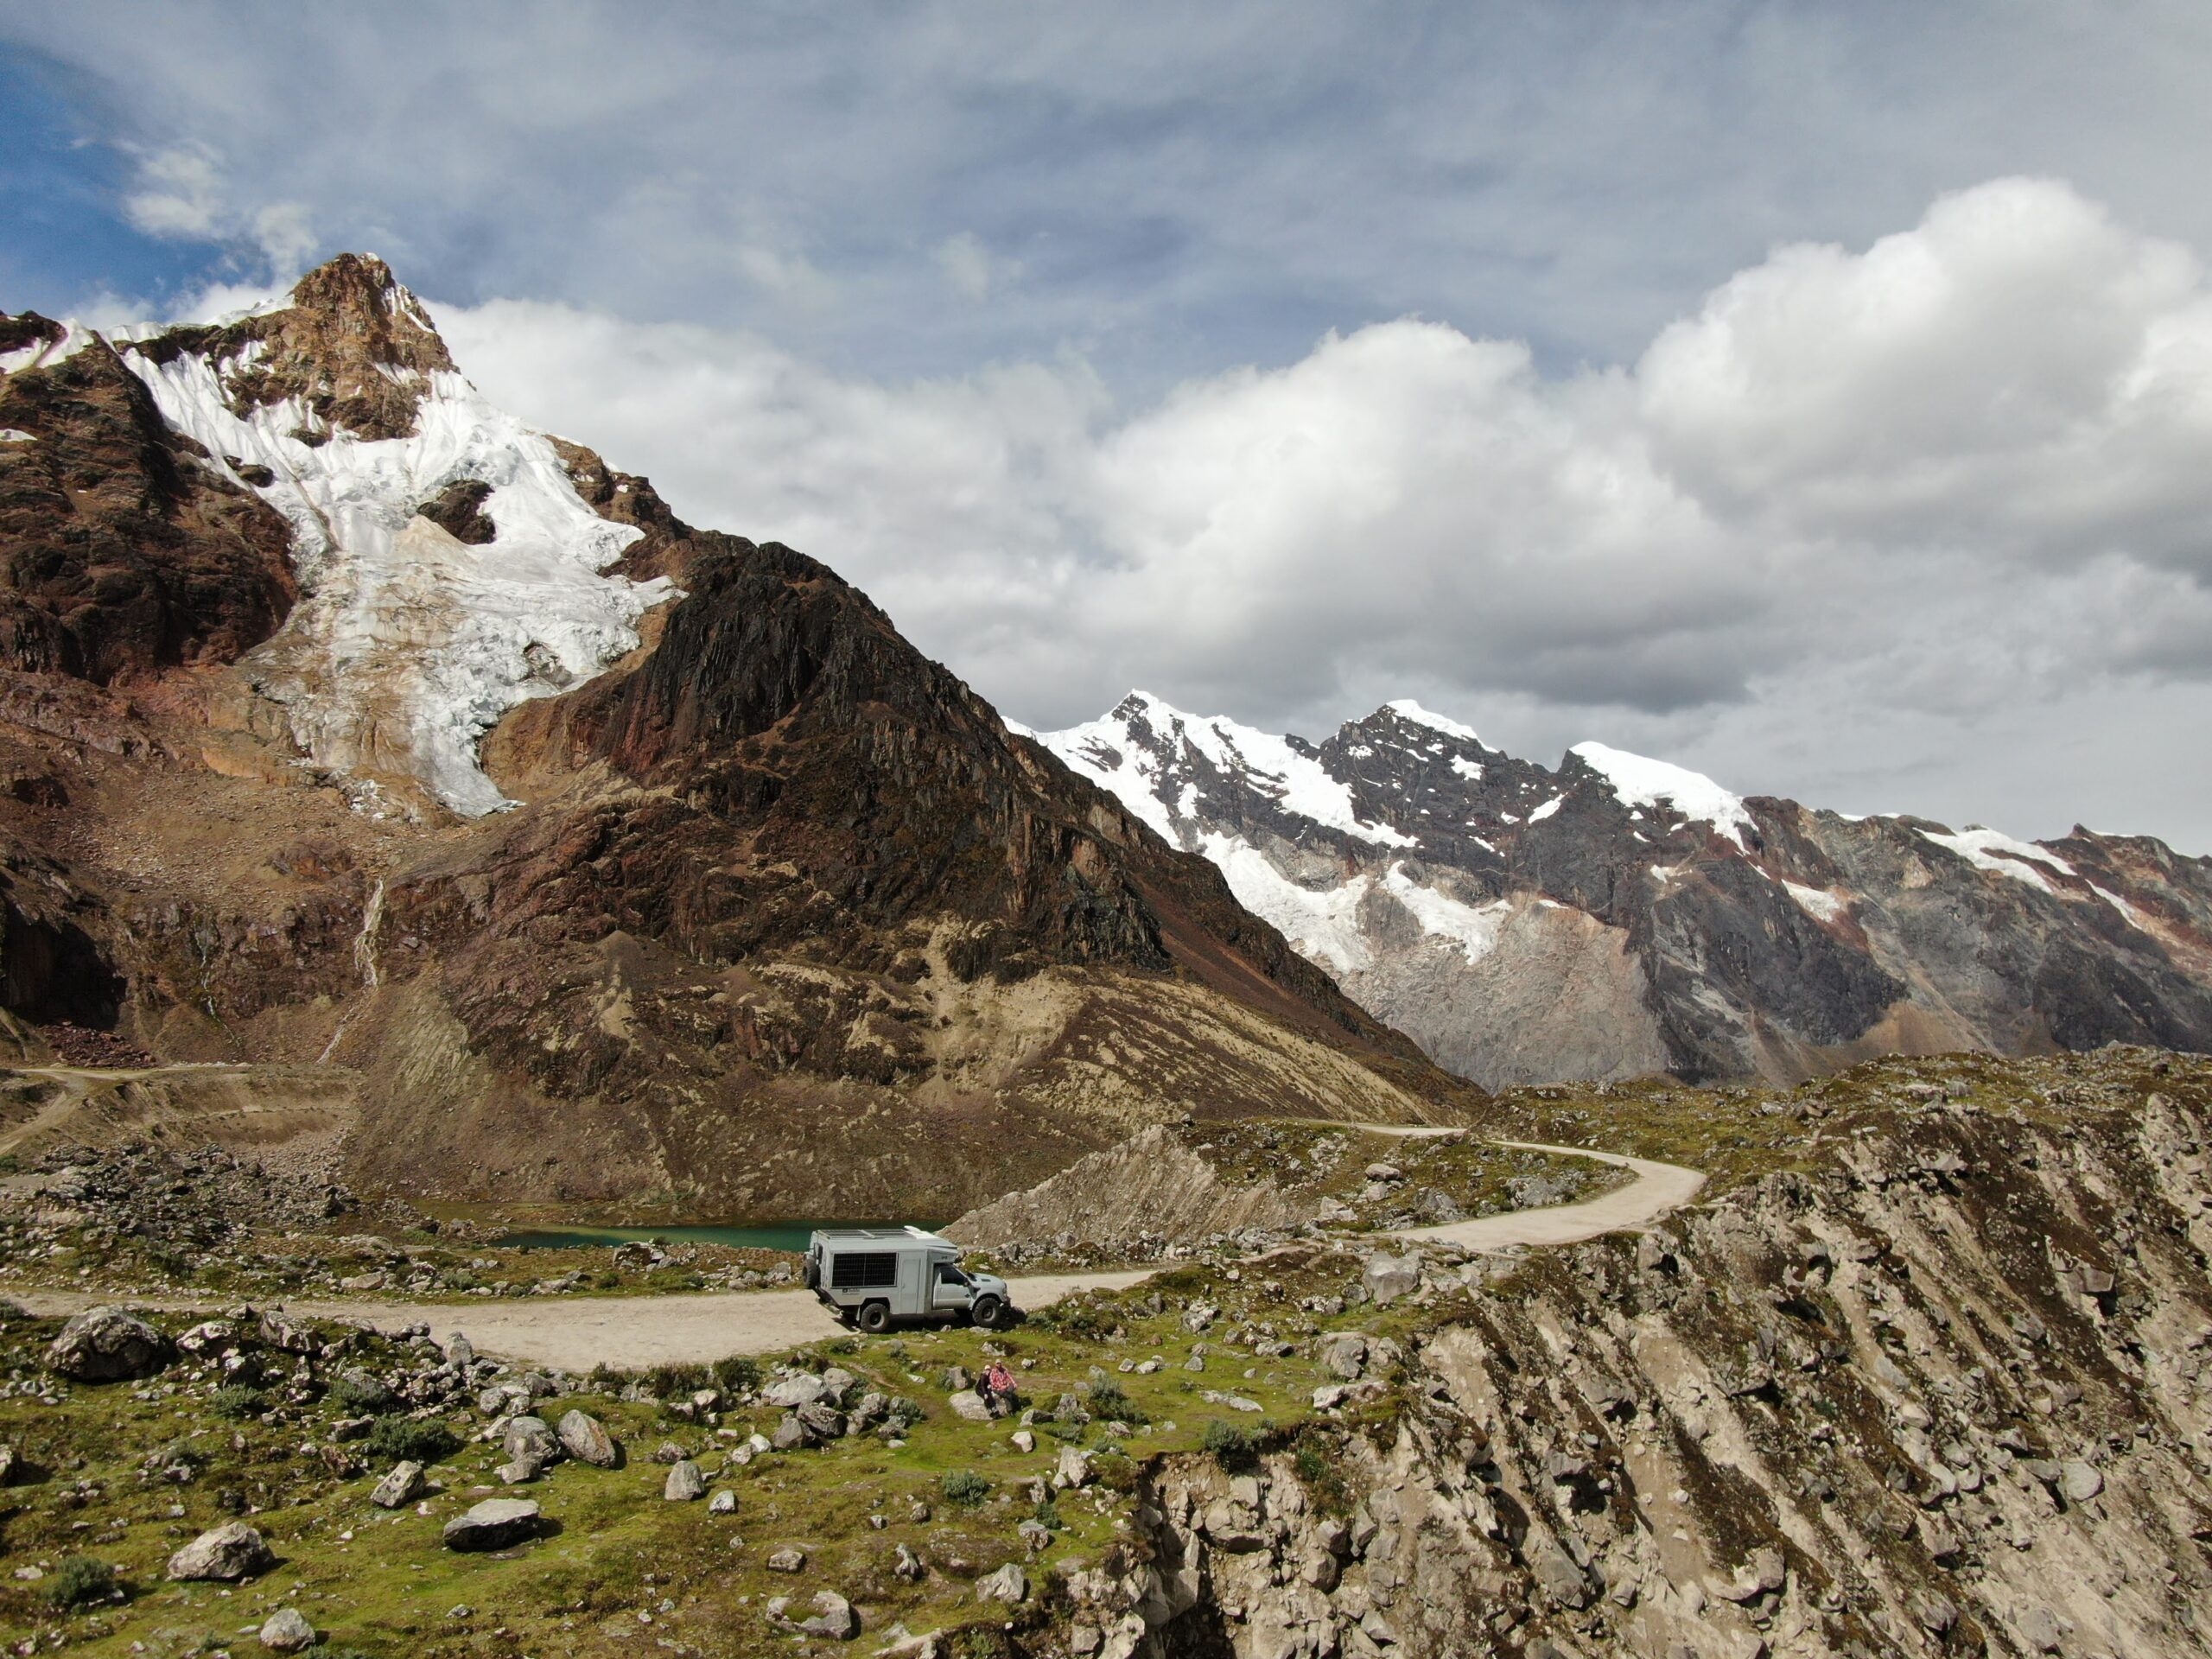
1047,1516
673,1382
238,1402
1108,1400
80,1581
361,1396
397,1439
1227,1443
964,1489
737,1375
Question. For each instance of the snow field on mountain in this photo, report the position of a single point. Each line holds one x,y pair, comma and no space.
1981,847
1638,780
411,645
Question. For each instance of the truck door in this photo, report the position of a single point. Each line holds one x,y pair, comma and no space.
949,1289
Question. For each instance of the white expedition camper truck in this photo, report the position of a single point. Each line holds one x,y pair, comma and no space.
869,1277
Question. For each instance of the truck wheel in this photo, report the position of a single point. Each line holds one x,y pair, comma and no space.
876,1318
988,1312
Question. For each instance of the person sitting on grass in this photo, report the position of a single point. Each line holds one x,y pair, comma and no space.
998,1390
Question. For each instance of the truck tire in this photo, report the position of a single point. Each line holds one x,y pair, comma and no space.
988,1312
875,1317
810,1274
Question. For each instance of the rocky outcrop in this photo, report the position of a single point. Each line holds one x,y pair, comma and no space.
1944,1390
1616,916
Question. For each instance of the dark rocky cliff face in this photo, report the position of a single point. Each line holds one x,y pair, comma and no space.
1525,923
786,921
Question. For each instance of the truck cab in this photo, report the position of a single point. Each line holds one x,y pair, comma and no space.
869,1277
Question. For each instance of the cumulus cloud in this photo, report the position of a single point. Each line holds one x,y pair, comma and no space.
1921,487
183,193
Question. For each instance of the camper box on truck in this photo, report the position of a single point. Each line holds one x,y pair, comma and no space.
869,1277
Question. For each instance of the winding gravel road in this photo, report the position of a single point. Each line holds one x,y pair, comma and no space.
575,1333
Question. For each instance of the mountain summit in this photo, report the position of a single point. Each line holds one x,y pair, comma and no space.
354,729
1618,915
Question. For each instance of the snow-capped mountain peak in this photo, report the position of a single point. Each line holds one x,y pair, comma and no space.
1620,914
448,567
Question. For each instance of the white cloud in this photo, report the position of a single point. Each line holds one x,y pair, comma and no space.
1949,483
182,194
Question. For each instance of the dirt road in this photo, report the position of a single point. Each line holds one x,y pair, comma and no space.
575,1333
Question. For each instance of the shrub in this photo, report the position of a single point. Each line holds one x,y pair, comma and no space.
81,1580
964,1489
1227,1443
737,1375
672,1382
1108,1400
1047,1514
397,1439
361,1395
238,1402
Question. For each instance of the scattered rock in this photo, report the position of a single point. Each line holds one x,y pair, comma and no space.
1009,1584
402,1486
230,1552
833,1617
2078,1481
789,1558
493,1524
286,1631
685,1483
584,1438
1072,1473
907,1565
724,1501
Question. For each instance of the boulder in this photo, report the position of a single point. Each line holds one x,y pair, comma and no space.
286,1631
1343,1354
230,1552
402,1486
833,1617
1009,1584
685,1483
969,1404
105,1344
724,1501
1555,1570
1072,1473
2078,1481
584,1438
1389,1277
791,1433
493,1524
822,1420
529,1440
801,1388
789,1558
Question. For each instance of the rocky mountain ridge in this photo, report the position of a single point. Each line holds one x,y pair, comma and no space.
1615,916
346,721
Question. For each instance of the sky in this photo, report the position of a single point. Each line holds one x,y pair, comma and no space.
1817,396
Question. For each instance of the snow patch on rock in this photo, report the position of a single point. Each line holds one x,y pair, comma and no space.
1638,780
1993,850
45,354
1406,708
